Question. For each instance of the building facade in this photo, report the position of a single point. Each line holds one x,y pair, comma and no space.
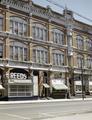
42,52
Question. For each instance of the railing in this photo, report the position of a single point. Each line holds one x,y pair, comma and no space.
20,5
35,10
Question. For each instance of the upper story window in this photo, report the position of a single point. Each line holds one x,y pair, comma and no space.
57,36
40,55
18,26
58,58
89,62
80,42
80,61
1,23
89,44
1,50
39,32
18,51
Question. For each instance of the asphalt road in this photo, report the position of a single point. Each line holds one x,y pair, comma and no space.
68,110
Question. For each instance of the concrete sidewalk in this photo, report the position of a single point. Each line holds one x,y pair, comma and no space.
39,101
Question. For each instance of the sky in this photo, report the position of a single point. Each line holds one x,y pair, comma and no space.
83,7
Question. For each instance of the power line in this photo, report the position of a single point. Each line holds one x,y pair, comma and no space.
58,5
50,1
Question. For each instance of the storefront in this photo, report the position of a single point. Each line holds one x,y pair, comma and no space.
58,89
78,87
90,87
19,84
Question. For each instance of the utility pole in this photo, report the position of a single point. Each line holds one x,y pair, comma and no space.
82,80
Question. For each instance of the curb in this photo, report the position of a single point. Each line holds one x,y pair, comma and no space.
43,101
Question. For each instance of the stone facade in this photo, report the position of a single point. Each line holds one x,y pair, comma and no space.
41,44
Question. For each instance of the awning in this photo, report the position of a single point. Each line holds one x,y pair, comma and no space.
1,87
78,83
90,83
59,86
46,85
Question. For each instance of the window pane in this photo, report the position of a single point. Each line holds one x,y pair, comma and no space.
34,55
38,56
11,26
1,24
46,57
21,53
25,54
1,50
11,52
33,32
16,53
20,28
25,30
16,28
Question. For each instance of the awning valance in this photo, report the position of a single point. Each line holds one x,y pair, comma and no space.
46,85
90,83
1,87
78,83
60,86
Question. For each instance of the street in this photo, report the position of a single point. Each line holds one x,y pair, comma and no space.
59,110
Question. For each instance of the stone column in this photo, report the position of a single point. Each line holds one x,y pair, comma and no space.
7,30
5,80
50,41
41,83
6,48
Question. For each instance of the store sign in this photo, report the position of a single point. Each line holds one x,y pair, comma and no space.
18,76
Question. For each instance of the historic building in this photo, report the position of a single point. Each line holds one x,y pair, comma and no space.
42,52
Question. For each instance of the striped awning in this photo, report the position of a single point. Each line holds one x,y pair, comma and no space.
60,86
46,85
1,87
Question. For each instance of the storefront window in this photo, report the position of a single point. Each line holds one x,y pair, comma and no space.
78,88
20,90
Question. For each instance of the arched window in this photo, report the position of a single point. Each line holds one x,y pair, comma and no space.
18,26
40,55
89,44
1,22
18,51
57,36
80,42
58,58
39,32
1,48
80,60
89,62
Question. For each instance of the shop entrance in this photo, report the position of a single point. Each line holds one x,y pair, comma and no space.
46,87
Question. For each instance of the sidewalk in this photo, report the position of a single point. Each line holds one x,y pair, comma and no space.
44,100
